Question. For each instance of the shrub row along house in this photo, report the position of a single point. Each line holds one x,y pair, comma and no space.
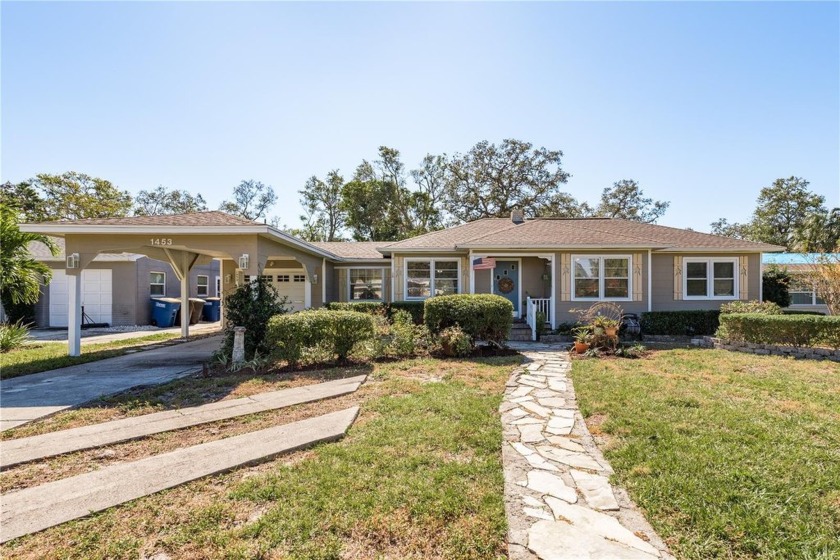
547,265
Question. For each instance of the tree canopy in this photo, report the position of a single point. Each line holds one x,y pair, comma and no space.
788,214
491,180
251,200
161,200
625,199
75,196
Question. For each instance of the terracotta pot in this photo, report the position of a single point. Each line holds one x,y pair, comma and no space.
581,347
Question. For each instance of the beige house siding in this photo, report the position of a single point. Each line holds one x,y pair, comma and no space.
565,307
667,281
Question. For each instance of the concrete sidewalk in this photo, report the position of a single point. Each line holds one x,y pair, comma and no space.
20,450
34,509
29,397
96,336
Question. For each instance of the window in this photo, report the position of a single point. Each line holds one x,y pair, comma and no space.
299,278
283,277
602,277
202,285
710,278
365,284
157,284
802,293
425,278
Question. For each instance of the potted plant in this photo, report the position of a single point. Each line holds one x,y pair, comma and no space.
582,337
607,325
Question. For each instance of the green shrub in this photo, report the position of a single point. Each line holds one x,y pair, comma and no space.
414,308
775,285
784,330
680,323
336,332
372,307
454,341
403,336
800,312
251,305
12,335
761,307
482,316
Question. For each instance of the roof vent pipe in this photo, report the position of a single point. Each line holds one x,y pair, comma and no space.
517,216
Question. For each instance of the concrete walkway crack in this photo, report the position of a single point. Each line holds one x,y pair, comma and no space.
558,498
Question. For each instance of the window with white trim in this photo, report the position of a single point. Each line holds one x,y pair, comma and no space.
365,284
710,278
431,277
157,284
299,278
202,285
802,293
602,277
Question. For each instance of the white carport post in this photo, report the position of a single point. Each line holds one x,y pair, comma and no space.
74,312
182,262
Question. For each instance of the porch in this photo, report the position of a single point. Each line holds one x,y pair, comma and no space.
526,280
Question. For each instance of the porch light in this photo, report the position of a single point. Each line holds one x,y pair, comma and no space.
315,278
244,261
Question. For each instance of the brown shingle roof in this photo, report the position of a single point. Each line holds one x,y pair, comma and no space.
351,249
209,218
564,232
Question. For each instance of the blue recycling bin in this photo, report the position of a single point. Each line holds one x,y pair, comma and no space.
213,309
164,311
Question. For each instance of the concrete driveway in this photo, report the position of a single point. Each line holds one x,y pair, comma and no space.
27,398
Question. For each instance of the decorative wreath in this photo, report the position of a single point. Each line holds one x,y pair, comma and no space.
506,285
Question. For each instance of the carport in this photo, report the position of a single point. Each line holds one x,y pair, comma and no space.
245,248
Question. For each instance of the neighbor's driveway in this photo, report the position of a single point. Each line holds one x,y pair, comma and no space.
29,397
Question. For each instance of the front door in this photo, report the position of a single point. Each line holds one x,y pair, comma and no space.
506,283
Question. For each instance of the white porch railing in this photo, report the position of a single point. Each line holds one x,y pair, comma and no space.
534,306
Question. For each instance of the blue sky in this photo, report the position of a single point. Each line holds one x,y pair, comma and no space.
702,103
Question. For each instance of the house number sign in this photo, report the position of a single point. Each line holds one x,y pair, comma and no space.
160,241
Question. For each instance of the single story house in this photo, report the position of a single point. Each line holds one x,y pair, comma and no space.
116,287
553,265
802,294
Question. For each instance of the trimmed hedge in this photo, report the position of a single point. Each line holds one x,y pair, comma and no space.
680,323
785,330
372,307
289,336
414,308
482,316
761,307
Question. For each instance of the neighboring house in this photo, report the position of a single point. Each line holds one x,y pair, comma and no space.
802,295
116,287
552,265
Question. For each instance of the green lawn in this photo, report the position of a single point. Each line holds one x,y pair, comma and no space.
419,476
730,455
35,357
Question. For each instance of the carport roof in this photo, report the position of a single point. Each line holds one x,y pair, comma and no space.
211,223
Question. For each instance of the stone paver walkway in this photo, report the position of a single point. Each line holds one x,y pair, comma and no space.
34,509
558,498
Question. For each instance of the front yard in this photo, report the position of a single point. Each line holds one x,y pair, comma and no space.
729,455
419,474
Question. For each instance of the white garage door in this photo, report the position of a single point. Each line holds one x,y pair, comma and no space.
97,296
290,283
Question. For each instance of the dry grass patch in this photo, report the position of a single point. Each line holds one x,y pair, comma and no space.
419,475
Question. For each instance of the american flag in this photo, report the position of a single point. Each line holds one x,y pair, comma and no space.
484,263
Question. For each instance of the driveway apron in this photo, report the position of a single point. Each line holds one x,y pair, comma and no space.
30,397
558,498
